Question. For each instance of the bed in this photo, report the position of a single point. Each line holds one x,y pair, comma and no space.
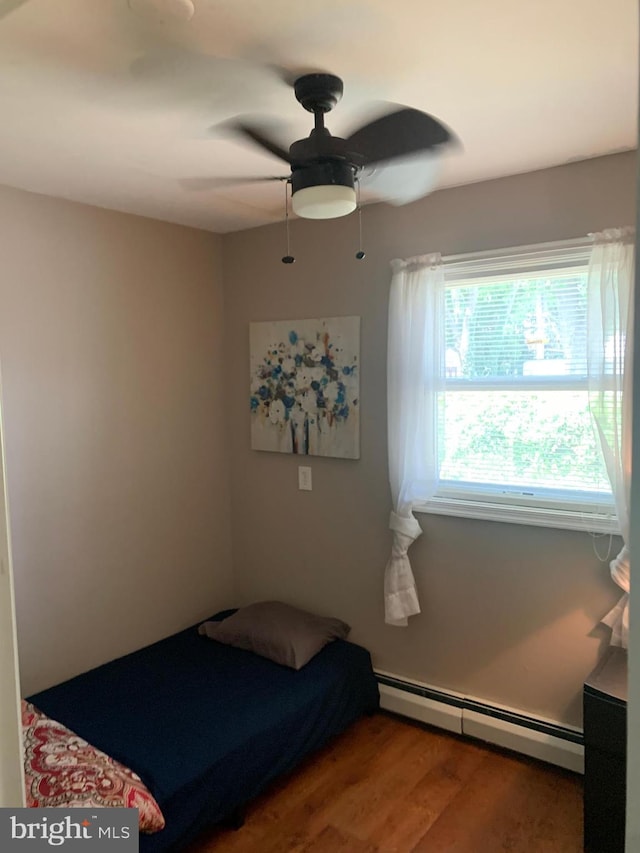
208,726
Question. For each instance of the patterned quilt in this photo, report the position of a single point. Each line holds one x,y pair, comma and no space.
61,769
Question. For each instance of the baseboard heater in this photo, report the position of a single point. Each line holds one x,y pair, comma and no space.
505,727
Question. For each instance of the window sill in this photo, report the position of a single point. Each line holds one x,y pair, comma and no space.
563,519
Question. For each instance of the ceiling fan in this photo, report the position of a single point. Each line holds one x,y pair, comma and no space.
397,152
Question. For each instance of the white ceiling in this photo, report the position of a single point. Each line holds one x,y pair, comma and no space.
111,102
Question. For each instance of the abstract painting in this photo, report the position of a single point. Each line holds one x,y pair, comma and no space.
305,386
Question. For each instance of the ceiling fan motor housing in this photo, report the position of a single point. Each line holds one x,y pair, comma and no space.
330,172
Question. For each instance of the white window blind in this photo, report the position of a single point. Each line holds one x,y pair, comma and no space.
516,441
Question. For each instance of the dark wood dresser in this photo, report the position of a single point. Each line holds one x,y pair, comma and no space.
605,760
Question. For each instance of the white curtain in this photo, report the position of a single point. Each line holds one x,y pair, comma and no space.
415,376
610,359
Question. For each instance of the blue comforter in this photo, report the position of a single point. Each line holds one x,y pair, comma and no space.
207,726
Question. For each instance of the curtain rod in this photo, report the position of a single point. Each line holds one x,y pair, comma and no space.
576,243
510,251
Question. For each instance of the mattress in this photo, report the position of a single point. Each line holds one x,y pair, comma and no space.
206,726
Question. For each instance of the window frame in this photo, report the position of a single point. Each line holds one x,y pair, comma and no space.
592,512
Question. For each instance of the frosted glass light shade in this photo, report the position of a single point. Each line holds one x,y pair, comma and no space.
327,201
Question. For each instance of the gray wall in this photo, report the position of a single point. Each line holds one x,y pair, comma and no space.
112,356
117,387
508,611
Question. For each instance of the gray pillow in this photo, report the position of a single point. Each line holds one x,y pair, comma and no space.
277,631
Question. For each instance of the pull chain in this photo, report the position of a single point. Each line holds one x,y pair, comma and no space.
360,253
288,258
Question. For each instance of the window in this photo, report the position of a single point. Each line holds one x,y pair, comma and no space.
515,437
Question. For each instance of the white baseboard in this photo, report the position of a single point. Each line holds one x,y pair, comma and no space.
420,708
538,738
527,741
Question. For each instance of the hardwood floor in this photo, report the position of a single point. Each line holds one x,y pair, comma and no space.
391,786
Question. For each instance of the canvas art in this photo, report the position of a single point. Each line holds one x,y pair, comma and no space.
305,386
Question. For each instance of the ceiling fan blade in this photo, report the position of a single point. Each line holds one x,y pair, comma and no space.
203,184
397,134
403,180
8,6
255,134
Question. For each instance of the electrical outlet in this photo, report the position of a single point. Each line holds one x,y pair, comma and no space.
304,478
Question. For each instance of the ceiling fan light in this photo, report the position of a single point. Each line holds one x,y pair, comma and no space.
323,190
324,201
